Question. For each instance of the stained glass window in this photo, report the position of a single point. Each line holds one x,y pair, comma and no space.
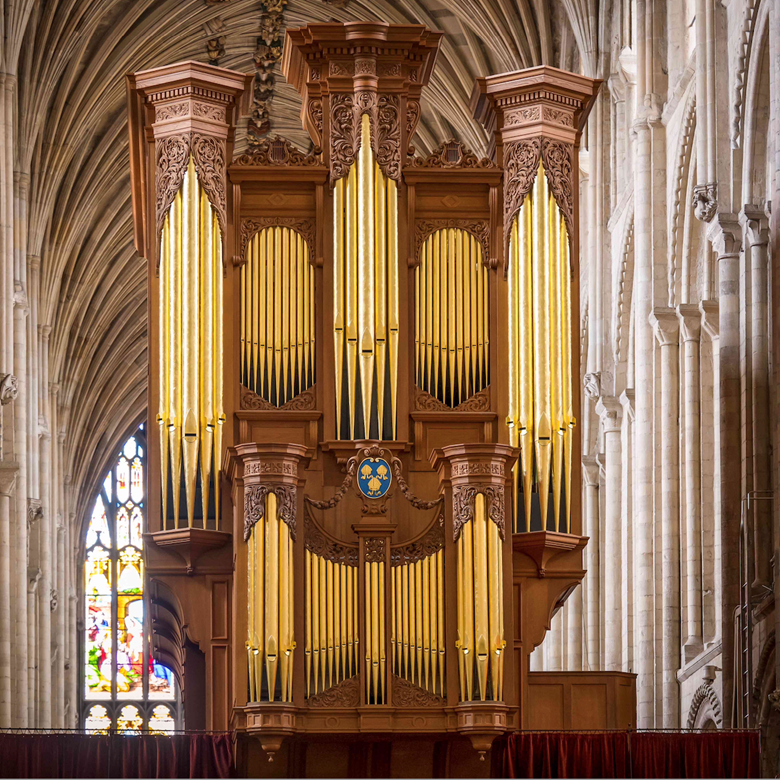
123,684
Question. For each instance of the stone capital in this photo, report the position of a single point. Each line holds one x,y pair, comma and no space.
725,234
9,388
690,321
755,225
609,409
590,471
8,471
666,326
710,318
627,402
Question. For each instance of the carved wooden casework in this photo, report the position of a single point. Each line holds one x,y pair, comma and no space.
445,458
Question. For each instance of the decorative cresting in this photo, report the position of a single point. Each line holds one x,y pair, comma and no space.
272,478
191,110
277,317
537,115
476,477
452,317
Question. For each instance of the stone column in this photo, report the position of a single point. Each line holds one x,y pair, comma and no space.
725,234
756,240
592,590
627,524
611,412
7,485
46,538
690,327
666,328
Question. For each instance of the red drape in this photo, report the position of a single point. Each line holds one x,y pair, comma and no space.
82,755
610,754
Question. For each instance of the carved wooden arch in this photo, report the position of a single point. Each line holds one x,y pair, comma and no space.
479,228
384,116
172,156
319,542
251,226
425,544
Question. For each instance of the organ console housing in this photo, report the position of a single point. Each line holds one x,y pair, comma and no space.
364,385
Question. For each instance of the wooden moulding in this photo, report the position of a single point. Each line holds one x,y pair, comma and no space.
189,543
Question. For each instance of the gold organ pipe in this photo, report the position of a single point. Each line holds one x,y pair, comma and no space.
250,646
301,364
468,605
365,274
338,291
481,628
374,623
382,639
336,621
405,620
418,618
307,643
392,293
431,296
270,325
457,235
288,301
556,355
166,256
277,312
451,322
440,615
175,356
351,291
317,621
568,410
343,621
329,618
426,618
290,612
259,290
272,592
461,640
438,306
285,639
394,621
207,421
380,292
495,635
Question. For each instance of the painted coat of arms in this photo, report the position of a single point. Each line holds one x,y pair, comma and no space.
374,477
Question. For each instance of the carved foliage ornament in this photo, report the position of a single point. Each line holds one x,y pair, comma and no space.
431,542
375,550
425,402
339,494
407,694
463,497
208,155
521,162
557,158
318,543
254,506
250,226
276,151
344,694
303,402
479,228
346,111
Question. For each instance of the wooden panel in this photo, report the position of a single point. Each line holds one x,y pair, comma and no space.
220,610
439,429
545,705
589,706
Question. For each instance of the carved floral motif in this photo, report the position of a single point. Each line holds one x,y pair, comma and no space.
209,111
521,162
557,160
463,497
431,542
303,402
344,138
339,494
416,502
425,402
254,506
250,226
386,135
276,151
319,543
172,155
407,694
375,550
344,694
479,228
208,154
171,111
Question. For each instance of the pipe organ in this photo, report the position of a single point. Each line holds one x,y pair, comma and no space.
363,364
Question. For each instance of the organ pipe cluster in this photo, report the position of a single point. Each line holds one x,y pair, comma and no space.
365,248
190,414
277,316
480,608
417,638
332,625
540,394
270,644
375,628
452,328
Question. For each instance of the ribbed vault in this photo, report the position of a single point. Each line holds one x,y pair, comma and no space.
70,57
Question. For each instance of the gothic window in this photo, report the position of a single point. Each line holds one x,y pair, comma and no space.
124,689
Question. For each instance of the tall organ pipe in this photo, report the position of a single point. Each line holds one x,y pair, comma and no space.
190,413
540,394
365,294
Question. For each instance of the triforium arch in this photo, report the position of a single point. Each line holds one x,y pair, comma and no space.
370,557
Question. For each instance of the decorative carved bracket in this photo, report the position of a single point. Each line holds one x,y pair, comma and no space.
427,545
463,498
254,505
319,542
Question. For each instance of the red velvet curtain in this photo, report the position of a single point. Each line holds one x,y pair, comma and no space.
82,755
645,754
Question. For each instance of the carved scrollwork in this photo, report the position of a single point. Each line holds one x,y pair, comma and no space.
318,543
208,111
315,113
386,135
425,402
375,550
479,228
254,506
412,118
407,694
557,160
344,694
208,154
452,154
416,502
171,111
344,138
431,542
463,497
251,226
521,162
172,155
277,151
339,494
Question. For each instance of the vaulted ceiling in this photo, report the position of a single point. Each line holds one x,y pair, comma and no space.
70,58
